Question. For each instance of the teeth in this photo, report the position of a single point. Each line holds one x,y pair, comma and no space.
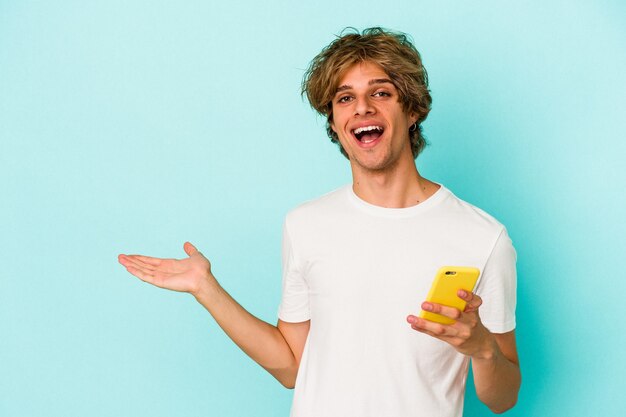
367,129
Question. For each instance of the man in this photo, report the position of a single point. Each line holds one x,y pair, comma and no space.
357,261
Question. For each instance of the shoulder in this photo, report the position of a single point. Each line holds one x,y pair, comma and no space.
317,209
466,215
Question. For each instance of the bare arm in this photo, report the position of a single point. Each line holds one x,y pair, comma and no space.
494,356
276,348
497,375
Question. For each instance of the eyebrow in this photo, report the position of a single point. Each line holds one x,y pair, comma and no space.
370,82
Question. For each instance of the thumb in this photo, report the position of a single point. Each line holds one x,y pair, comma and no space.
189,248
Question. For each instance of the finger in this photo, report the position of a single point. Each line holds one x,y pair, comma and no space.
141,274
429,327
126,260
155,278
450,312
142,268
137,267
473,301
419,329
444,338
146,259
189,248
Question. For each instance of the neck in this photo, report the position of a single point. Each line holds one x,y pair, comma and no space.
400,187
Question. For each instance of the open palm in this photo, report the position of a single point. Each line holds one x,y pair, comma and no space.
184,275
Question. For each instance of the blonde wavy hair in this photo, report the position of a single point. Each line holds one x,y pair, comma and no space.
394,52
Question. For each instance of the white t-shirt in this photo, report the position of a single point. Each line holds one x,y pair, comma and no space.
356,271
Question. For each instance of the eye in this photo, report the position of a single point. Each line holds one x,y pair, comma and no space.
381,94
344,99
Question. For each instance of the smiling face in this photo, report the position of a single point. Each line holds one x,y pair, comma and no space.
369,119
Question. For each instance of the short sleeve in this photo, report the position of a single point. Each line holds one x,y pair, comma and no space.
498,287
294,305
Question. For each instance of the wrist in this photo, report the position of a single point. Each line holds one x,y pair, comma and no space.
488,350
206,288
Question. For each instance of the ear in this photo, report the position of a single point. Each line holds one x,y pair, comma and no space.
331,123
413,118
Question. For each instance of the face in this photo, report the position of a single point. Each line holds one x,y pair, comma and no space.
369,120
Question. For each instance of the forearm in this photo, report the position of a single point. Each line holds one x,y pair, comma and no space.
497,379
263,342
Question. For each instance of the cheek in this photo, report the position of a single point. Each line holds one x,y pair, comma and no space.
340,117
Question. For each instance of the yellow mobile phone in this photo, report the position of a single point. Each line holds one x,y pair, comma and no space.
448,281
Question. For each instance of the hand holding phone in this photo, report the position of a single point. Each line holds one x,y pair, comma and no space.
448,281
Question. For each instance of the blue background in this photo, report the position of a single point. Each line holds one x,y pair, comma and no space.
132,126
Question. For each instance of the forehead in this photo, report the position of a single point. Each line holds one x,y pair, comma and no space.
360,74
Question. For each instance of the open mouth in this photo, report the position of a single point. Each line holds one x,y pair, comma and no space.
368,134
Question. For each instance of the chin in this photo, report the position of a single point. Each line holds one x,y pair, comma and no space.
373,165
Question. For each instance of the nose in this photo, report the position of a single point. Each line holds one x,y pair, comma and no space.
364,106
